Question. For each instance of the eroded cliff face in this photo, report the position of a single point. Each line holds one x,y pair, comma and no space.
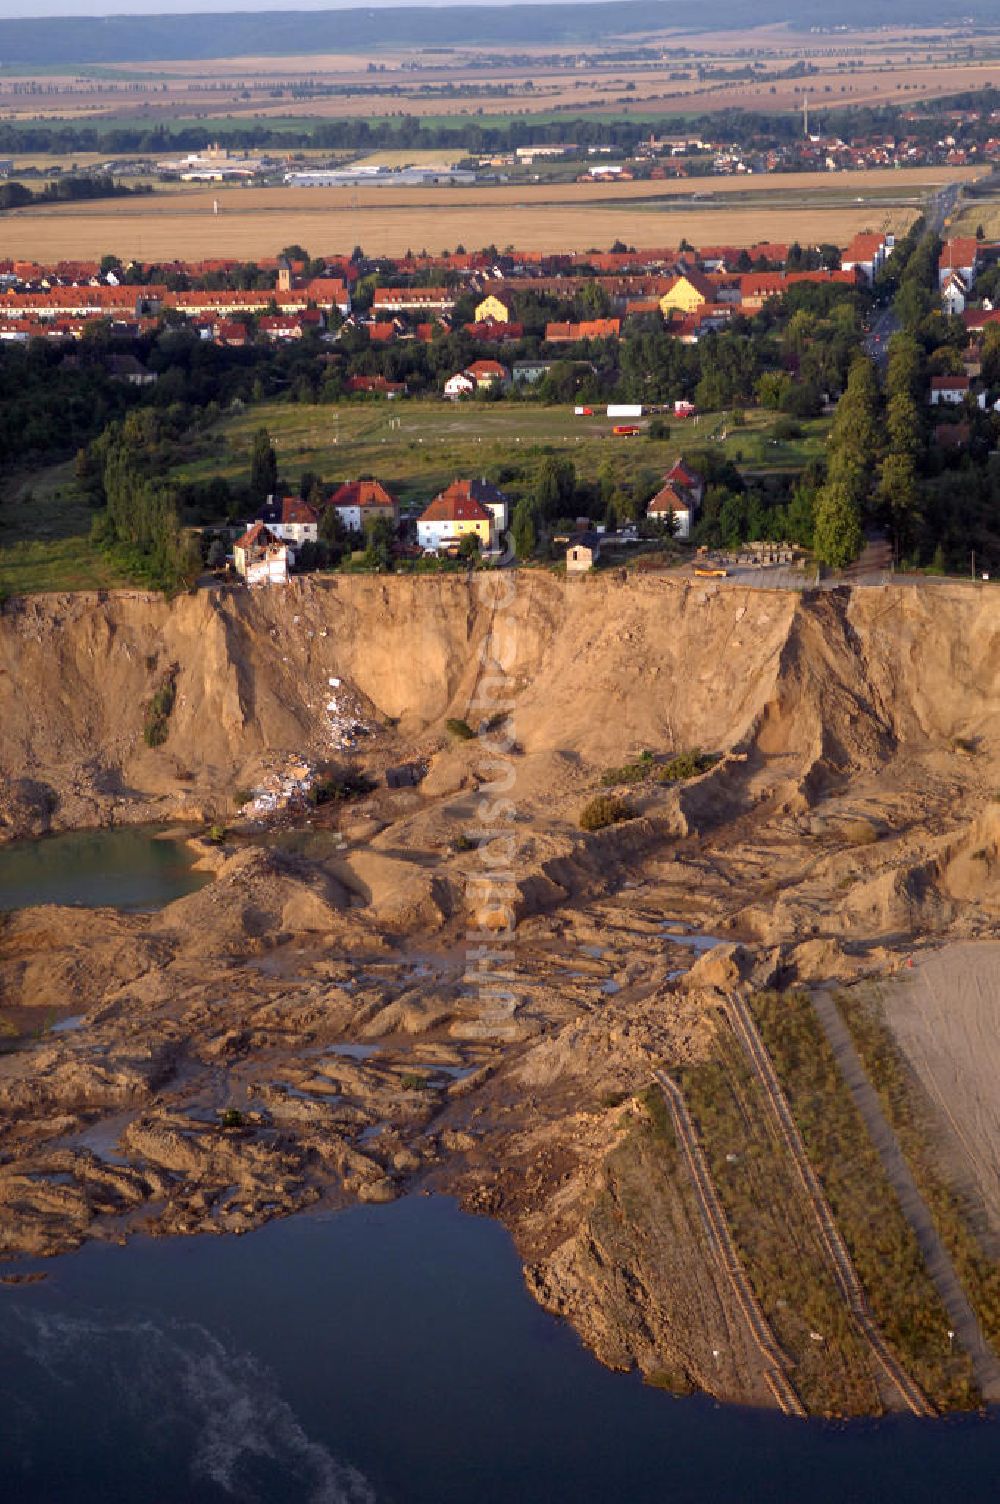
594,668
829,714
592,665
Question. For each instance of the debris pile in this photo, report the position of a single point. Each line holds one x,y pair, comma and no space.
345,723
285,787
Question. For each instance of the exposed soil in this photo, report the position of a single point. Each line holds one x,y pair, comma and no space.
312,1024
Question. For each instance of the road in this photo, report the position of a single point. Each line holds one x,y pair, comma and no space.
877,340
939,208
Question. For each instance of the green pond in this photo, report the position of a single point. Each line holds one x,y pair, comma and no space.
139,867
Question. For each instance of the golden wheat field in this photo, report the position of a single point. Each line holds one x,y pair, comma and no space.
185,227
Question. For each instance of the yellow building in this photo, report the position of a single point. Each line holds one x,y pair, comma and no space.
687,293
492,308
452,515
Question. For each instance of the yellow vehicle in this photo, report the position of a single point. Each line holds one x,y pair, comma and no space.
705,572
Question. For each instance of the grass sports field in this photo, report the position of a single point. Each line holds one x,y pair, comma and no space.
416,447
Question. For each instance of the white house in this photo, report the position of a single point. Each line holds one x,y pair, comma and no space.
952,391
361,501
673,502
459,385
954,294
962,255
290,519
260,557
454,514
679,498
865,255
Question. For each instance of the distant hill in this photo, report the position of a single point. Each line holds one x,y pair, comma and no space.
124,39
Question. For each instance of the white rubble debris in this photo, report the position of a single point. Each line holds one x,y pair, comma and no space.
283,787
287,784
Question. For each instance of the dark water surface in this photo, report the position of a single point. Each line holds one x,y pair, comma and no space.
391,1354
124,868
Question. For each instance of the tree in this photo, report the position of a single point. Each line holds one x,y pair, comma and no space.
556,488
904,372
523,529
593,301
310,485
469,547
855,431
898,493
332,534
903,426
378,547
331,526
263,468
837,535
773,388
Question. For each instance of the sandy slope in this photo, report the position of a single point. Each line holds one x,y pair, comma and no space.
946,1015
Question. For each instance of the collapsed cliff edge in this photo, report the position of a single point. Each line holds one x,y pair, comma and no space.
843,811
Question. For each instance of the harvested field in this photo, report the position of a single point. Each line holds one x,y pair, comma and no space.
946,1017
985,212
809,207
472,85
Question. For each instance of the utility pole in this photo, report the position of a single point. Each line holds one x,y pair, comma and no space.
805,116
973,563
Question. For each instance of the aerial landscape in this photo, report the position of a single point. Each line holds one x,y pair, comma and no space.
499,753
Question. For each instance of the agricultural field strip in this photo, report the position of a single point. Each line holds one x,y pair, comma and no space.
176,229
720,1239
840,1260
936,1257
501,92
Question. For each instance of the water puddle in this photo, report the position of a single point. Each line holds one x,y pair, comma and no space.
67,1025
352,1051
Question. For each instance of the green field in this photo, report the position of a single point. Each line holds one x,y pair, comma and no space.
418,446
46,537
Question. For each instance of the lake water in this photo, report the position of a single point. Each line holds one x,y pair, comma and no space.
391,1354
124,868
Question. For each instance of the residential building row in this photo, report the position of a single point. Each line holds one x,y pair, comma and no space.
470,508
59,299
